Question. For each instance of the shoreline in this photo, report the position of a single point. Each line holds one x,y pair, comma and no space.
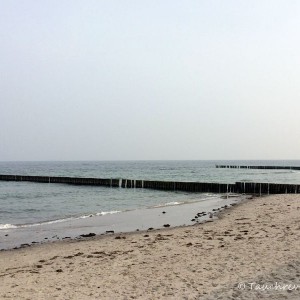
122,222
254,241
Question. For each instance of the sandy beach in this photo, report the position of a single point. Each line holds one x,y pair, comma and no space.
252,251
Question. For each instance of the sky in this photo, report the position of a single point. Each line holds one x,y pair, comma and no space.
149,80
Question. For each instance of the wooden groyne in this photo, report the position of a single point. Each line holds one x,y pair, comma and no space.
258,167
201,187
195,187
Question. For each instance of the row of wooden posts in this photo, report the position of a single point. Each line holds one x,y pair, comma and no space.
200,187
258,167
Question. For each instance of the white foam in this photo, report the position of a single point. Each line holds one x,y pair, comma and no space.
44,223
103,213
168,204
7,226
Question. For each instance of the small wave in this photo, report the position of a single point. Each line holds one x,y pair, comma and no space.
173,203
42,223
168,204
31,210
103,213
7,226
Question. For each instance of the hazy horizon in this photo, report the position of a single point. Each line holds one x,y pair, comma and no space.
149,80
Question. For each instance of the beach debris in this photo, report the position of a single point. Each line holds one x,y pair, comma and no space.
88,234
166,225
110,231
201,214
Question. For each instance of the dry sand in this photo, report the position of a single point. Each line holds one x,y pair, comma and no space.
255,241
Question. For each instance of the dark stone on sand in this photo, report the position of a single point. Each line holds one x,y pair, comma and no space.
189,244
59,270
24,245
110,231
146,235
34,242
66,237
193,220
150,228
166,225
163,212
88,234
45,238
137,230
117,237
6,235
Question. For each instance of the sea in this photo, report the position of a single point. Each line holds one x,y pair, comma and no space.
40,212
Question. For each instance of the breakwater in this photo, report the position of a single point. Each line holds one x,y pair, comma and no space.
196,187
258,167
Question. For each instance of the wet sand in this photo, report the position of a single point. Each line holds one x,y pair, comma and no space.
256,241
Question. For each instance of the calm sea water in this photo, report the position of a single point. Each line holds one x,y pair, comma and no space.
25,203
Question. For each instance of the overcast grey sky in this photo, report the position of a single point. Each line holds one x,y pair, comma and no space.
167,79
